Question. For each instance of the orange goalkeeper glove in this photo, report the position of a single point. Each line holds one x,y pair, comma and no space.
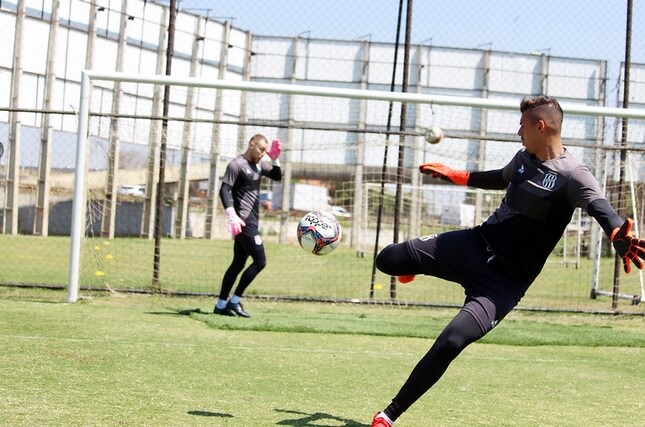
628,247
439,170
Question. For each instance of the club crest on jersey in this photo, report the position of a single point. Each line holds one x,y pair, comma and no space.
549,180
428,237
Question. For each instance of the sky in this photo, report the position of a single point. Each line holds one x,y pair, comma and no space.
590,29
580,28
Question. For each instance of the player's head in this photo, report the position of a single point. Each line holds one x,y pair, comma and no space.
541,120
258,145
545,108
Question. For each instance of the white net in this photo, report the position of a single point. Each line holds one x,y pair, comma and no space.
340,155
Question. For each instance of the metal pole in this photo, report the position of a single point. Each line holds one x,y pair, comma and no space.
214,173
108,217
41,215
183,190
150,201
385,153
341,92
620,204
10,216
162,151
78,206
398,205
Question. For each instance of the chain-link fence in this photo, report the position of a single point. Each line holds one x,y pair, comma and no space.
456,49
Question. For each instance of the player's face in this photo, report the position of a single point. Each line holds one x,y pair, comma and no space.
257,148
528,133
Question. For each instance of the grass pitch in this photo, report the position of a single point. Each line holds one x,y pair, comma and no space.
151,360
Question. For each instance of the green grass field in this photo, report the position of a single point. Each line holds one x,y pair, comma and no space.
115,359
197,265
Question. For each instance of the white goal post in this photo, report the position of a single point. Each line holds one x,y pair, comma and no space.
90,77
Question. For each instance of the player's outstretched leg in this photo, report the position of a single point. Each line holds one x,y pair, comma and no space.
395,260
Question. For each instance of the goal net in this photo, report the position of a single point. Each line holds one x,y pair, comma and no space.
147,215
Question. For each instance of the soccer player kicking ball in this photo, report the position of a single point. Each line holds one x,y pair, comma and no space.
498,260
240,195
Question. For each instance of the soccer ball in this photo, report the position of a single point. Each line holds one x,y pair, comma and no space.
434,134
319,232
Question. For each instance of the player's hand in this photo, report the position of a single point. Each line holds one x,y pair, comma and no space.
235,223
275,149
439,170
628,247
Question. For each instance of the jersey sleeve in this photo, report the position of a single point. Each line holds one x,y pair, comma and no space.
226,195
497,179
583,188
605,215
488,180
584,192
231,173
271,171
228,181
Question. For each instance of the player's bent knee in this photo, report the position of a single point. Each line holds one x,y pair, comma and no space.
451,343
388,260
381,260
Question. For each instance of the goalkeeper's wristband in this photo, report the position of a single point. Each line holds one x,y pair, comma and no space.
459,177
230,212
275,162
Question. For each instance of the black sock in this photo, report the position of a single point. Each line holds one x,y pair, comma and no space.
393,411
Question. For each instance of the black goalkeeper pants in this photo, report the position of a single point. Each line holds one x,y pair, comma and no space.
462,257
247,244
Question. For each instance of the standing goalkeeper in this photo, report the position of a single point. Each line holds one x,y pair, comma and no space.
498,260
240,195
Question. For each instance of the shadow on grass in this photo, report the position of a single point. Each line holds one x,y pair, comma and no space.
209,414
184,312
316,419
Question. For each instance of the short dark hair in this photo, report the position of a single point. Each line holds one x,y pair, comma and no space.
545,108
256,137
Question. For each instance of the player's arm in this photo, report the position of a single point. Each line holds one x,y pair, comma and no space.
605,215
226,195
629,248
489,180
275,173
235,223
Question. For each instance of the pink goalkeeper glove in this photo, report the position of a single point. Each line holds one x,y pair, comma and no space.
235,223
275,150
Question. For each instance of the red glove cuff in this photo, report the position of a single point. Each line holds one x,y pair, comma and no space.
460,177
